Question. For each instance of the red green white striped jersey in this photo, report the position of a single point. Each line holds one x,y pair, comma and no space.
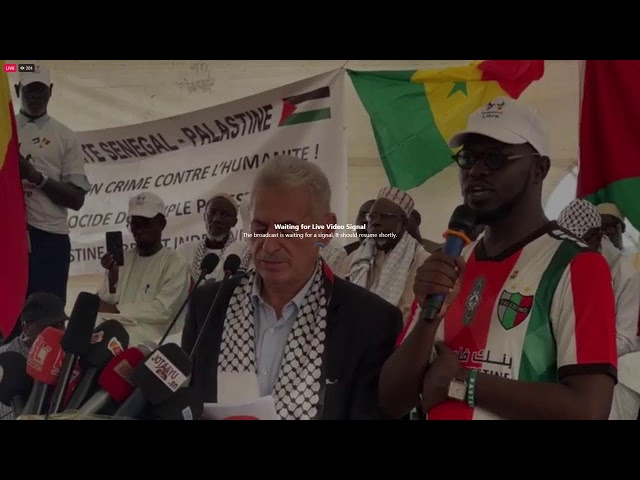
542,310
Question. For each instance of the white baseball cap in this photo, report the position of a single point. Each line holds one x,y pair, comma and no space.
41,74
147,205
507,121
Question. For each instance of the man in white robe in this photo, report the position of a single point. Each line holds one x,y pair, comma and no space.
145,293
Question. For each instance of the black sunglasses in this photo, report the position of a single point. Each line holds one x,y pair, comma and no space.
492,159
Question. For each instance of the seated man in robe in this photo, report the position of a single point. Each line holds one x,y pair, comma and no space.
147,291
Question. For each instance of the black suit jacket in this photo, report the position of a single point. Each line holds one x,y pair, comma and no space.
361,332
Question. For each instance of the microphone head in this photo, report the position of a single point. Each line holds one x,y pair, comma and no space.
232,263
45,356
209,263
185,404
163,373
463,220
77,336
14,380
109,339
117,376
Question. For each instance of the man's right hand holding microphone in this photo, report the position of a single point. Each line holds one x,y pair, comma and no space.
407,379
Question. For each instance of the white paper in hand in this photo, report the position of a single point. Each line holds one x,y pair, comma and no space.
263,408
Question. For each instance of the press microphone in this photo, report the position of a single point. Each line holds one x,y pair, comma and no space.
75,342
458,235
43,365
208,265
185,404
166,370
15,384
230,267
116,380
73,383
109,339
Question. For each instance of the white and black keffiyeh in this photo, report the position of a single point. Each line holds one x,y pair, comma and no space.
299,389
391,283
200,251
579,217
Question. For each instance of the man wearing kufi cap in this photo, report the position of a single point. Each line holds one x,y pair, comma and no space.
583,219
387,261
147,291
220,216
527,327
54,180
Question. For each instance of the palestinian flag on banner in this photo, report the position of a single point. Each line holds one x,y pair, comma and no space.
307,107
13,222
415,113
609,141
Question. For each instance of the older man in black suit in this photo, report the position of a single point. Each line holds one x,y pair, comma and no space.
289,328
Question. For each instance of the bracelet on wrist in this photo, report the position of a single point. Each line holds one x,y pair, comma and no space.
471,387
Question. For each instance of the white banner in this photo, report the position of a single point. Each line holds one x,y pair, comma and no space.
187,158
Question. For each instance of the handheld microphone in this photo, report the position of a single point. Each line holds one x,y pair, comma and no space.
208,265
116,380
75,342
460,228
230,267
43,365
15,384
166,370
109,339
185,404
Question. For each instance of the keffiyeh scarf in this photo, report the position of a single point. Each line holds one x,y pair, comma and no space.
393,275
200,251
299,389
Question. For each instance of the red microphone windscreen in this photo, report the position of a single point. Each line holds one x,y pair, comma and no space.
45,356
117,377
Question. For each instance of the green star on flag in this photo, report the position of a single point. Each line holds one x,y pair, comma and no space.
459,87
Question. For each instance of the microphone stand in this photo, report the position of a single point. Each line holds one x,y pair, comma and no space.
203,274
207,319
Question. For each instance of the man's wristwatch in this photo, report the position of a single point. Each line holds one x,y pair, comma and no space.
458,389
464,389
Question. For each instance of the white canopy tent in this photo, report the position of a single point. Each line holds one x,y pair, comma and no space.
90,95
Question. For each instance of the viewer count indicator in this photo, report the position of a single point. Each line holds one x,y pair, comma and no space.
26,67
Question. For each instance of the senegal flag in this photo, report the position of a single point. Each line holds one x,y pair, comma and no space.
13,223
609,139
414,113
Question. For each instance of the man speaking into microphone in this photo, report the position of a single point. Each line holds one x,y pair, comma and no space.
527,330
288,328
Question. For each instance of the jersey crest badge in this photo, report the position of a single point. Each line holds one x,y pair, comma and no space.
472,301
513,309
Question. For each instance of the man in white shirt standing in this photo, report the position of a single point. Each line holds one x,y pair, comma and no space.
146,293
53,179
